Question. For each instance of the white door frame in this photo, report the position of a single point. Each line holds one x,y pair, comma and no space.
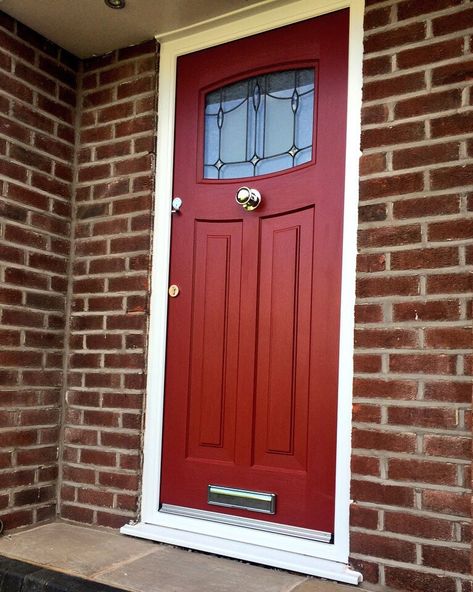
312,557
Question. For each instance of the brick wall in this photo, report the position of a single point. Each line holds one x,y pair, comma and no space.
112,213
412,409
37,103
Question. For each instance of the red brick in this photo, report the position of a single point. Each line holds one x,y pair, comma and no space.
90,456
382,546
99,303
135,126
135,51
35,78
120,440
390,236
451,230
130,461
127,502
113,150
423,417
130,244
399,36
77,514
15,88
453,176
426,54
455,392
386,338
447,558
366,413
365,465
96,134
367,363
363,517
25,278
85,437
122,400
131,166
369,569
397,85
22,318
115,111
116,74
433,103
425,155
94,497
372,213
377,66
425,259
452,125
112,188
115,521
418,526
457,72
453,22
91,247
97,98
439,473
84,360
15,46
128,283
124,361
102,380
385,389
93,173
410,580
449,338
448,446
119,481
368,313
448,283
100,418
78,474
15,519
422,364
374,114
378,440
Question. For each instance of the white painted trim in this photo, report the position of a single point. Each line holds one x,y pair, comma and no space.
312,557
266,555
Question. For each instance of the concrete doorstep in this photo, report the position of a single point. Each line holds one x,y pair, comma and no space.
98,560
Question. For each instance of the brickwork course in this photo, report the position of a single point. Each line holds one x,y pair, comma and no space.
77,164
37,140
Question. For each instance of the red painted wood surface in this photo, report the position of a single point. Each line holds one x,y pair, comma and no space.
251,375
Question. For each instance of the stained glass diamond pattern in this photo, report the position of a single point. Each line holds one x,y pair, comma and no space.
260,125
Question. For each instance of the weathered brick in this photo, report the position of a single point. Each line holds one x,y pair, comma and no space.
410,580
439,473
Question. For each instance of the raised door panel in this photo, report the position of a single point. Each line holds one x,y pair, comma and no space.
283,353
214,340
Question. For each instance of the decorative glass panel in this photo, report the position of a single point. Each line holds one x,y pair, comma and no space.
259,125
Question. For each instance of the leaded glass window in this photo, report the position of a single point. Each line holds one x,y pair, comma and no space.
259,125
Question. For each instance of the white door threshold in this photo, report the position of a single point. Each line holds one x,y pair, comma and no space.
253,552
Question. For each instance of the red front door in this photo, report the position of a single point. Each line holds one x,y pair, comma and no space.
252,363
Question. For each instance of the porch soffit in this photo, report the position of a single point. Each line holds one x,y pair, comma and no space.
88,27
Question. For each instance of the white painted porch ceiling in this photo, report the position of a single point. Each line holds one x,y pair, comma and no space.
88,27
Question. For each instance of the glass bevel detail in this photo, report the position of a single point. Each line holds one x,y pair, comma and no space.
259,125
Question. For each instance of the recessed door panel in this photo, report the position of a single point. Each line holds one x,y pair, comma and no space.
283,354
214,340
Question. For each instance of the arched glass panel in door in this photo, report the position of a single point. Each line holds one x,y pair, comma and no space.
259,125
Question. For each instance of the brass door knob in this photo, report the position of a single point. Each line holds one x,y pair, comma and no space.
248,198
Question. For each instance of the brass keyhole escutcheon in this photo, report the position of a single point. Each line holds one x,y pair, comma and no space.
173,290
